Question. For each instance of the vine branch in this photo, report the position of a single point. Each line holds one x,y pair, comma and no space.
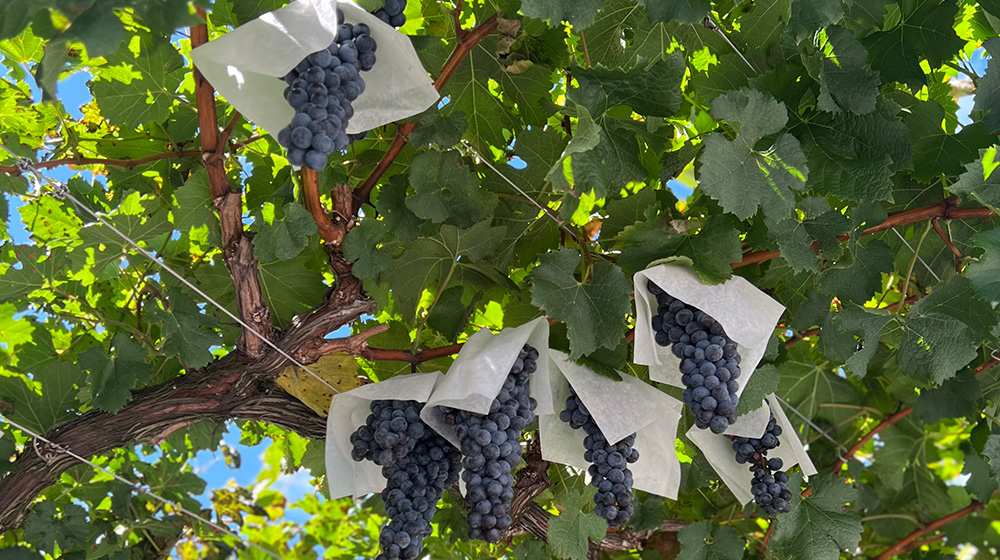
948,243
946,209
124,163
472,38
237,250
897,548
895,418
310,193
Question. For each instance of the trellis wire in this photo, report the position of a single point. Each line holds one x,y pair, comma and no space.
138,487
819,430
919,258
544,210
61,191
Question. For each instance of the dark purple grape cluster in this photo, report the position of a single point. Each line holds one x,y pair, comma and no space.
390,432
608,469
392,12
768,486
321,89
491,449
418,465
710,362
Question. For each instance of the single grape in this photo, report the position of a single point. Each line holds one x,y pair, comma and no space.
315,160
348,52
365,44
320,58
301,137
297,97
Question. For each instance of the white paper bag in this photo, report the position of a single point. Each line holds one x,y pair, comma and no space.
620,408
480,370
747,314
245,65
349,411
718,449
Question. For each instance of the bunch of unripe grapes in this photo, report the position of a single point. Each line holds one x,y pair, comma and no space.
491,449
768,486
392,12
710,362
321,89
608,464
418,465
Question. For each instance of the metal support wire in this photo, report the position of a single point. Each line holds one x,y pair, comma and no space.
819,430
138,487
507,180
919,258
61,191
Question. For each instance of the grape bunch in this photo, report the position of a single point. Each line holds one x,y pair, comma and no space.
392,12
768,486
608,464
710,362
418,464
321,89
491,449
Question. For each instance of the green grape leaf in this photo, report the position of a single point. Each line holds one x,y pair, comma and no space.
143,99
856,281
763,382
446,190
705,541
809,383
846,81
396,216
592,310
294,286
23,48
287,237
187,332
531,549
795,235
624,212
586,137
612,163
762,26
654,91
980,181
981,482
50,395
858,329
434,263
925,31
742,178
45,527
570,531
577,14
937,151
193,203
955,398
113,374
984,274
683,11
450,316
988,88
714,249
361,248
819,527
942,332
809,16
853,156
439,129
